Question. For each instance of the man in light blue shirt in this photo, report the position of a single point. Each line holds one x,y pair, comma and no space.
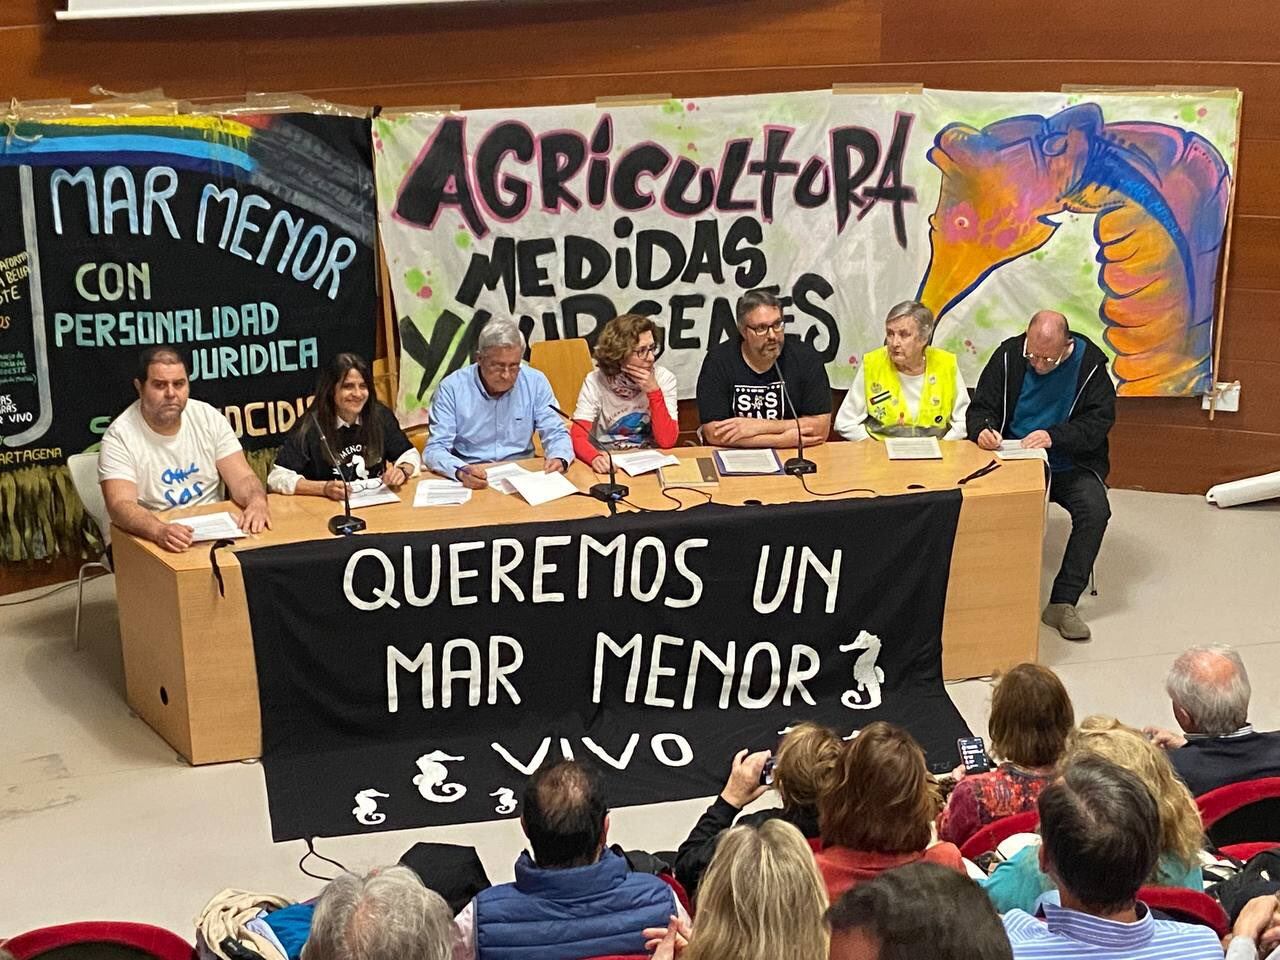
1100,834
488,412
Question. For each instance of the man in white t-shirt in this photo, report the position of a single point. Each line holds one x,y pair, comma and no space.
167,451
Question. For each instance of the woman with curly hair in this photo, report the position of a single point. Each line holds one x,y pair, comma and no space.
1018,882
627,400
761,899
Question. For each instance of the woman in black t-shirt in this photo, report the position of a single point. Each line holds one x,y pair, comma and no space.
347,435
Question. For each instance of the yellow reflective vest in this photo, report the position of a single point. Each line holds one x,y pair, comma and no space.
887,413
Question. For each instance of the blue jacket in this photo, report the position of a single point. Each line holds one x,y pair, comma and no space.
565,914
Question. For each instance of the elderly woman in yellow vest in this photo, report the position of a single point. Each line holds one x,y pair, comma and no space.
905,388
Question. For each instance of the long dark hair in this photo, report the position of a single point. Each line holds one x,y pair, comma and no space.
369,431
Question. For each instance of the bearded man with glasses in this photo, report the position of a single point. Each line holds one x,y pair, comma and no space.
757,389
1049,389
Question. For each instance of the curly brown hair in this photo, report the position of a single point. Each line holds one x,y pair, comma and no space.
807,758
881,798
619,338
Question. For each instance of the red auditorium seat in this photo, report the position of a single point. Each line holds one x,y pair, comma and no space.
678,889
990,836
1243,851
67,937
1247,812
1187,906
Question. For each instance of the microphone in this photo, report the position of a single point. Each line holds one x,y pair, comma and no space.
612,491
346,524
796,466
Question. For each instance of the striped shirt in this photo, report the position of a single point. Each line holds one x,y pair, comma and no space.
1070,935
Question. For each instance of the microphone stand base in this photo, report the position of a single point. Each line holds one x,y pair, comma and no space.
799,466
344,525
610,492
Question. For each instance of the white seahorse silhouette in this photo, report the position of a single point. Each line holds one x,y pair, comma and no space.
867,677
366,808
506,800
434,775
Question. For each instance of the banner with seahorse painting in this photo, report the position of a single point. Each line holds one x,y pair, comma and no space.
986,206
247,241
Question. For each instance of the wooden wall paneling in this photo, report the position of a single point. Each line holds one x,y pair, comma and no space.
1257,185
67,60
1177,459
1170,31
1255,254
1252,327
597,39
1259,403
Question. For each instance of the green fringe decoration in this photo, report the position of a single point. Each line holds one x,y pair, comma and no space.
262,461
43,517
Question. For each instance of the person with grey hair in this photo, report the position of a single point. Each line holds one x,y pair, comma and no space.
385,915
905,388
754,393
1209,691
1049,389
488,412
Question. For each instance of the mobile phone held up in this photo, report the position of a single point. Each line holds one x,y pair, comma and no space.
973,754
766,774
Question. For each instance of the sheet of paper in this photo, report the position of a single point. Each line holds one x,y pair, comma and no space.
913,448
1013,450
440,493
643,461
213,526
749,461
500,475
539,488
372,497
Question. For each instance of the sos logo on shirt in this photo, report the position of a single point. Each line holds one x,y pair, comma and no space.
764,402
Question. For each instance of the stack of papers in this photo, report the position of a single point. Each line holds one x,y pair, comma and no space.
213,526
538,488
372,497
913,448
440,493
1014,450
745,463
500,476
643,461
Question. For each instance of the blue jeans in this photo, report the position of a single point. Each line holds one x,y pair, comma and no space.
1084,496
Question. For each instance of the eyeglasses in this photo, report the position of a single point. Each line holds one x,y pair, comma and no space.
1051,361
488,366
371,483
651,350
776,327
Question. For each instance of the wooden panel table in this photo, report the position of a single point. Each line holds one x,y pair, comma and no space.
188,652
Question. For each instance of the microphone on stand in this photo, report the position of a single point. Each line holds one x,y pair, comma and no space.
612,491
798,465
346,524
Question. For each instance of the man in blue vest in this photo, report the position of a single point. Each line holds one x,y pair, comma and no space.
574,897
1049,389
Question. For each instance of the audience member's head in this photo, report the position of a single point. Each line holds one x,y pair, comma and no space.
881,798
1209,687
1031,716
1181,830
386,915
920,910
761,898
565,814
806,760
1100,835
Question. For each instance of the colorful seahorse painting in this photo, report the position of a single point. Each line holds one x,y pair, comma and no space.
1160,198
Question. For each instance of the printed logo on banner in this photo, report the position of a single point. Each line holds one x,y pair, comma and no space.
653,647
366,808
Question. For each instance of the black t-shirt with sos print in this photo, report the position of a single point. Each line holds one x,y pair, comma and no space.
728,387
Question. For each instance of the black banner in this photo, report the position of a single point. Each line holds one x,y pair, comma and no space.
412,680
246,241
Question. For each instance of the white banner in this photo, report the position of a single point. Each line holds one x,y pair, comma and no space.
986,206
